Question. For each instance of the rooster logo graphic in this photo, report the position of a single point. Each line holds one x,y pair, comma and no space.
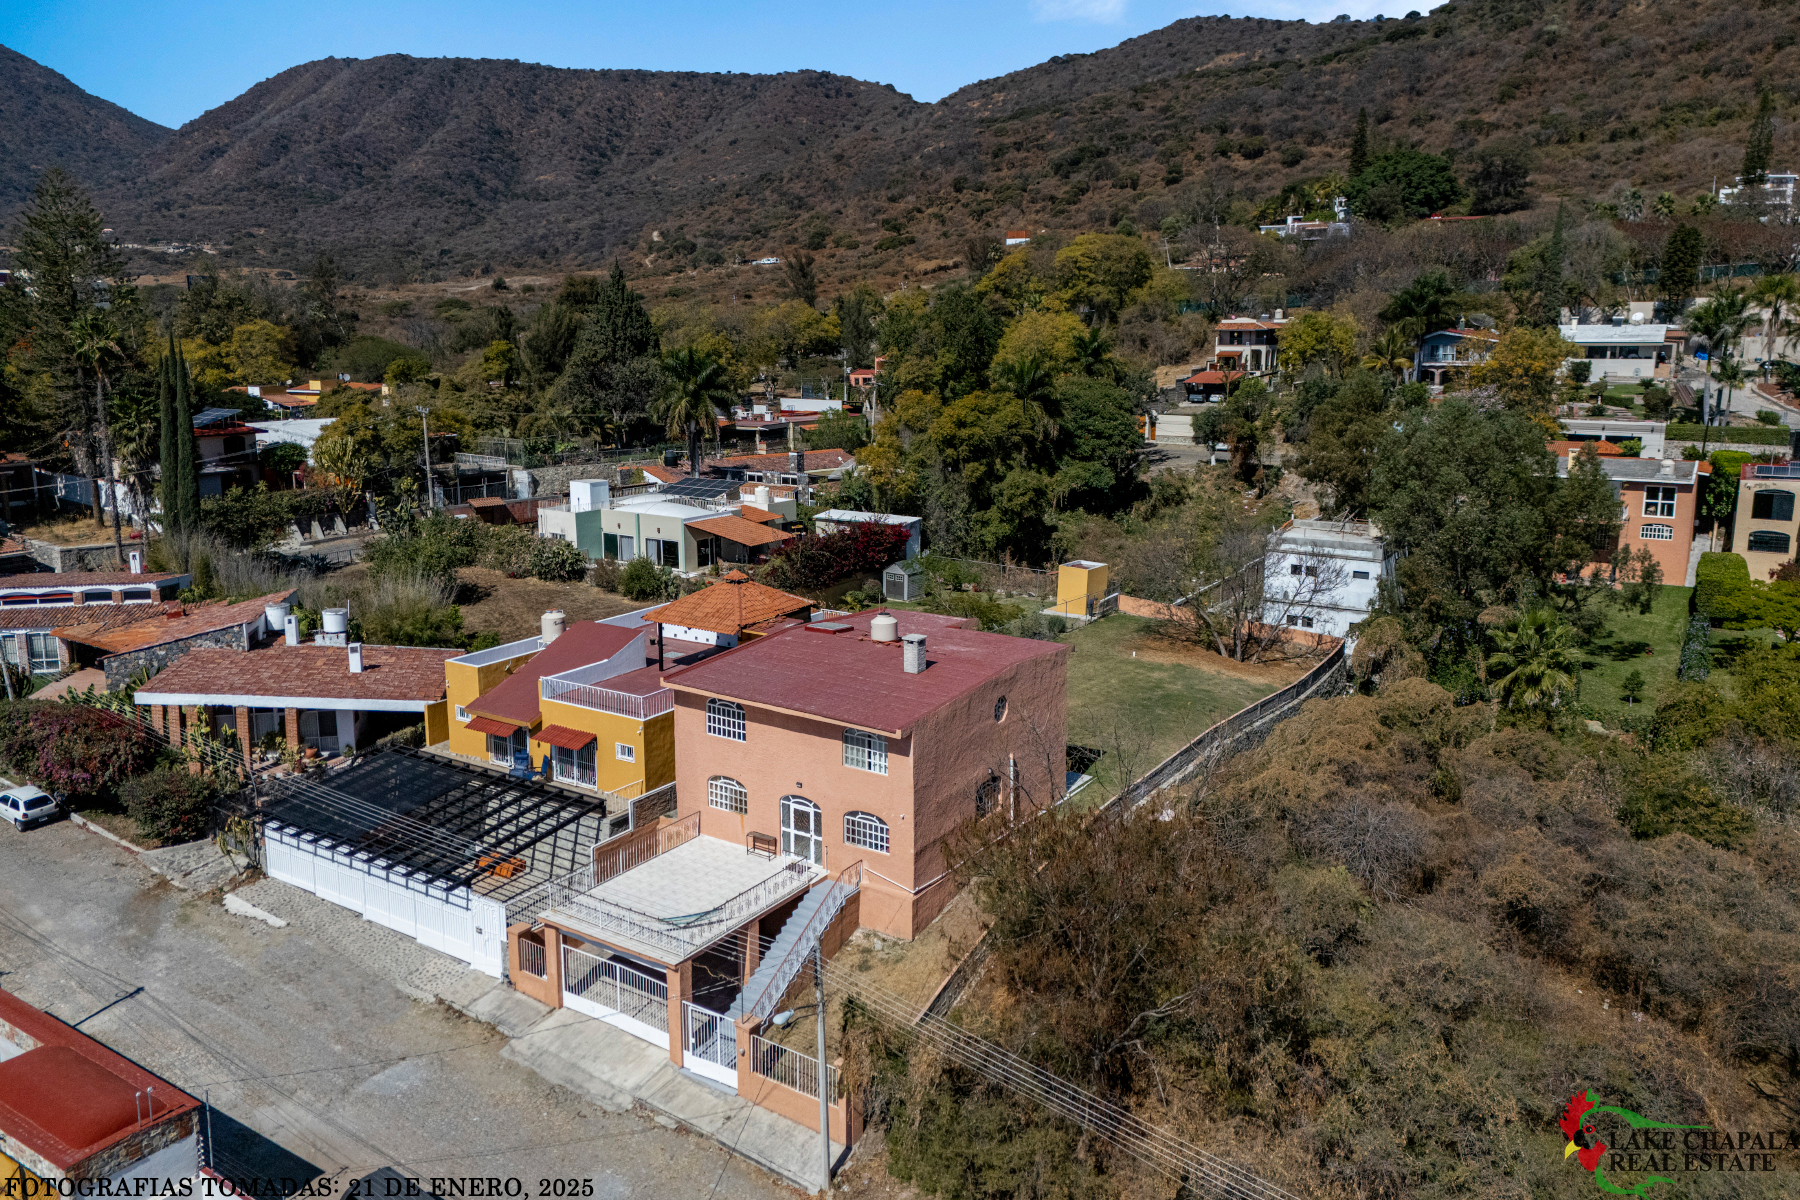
1588,1149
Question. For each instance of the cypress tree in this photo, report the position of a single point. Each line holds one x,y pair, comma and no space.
1551,313
1759,147
1359,144
170,459
1679,275
187,468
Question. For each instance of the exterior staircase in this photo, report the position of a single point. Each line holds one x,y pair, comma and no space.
792,947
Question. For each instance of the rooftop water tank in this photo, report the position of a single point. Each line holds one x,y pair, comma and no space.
884,628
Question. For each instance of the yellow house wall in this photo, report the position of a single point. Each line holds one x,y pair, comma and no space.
1075,586
653,740
462,684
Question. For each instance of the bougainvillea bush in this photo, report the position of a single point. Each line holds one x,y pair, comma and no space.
78,751
812,563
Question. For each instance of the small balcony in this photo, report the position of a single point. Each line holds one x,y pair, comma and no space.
606,700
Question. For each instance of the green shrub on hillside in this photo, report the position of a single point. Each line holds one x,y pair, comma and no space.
1716,574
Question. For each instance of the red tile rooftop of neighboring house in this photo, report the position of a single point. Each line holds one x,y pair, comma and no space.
1563,449
816,460
848,678
407,673
515,698
93,618
190,623
733,604
739,531
752,513
69,1097
1212,377
82,579
664,474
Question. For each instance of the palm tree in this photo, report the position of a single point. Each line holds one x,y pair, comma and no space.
1392,351
1534,661
1425,305
695,389
1720,322
137,438
94,340
1731,375
1093,354
1779,297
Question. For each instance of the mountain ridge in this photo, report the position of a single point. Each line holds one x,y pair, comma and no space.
412,168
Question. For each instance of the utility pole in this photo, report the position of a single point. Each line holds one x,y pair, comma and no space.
824,1100
425,425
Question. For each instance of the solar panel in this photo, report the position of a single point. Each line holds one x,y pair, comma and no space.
213,416
699,489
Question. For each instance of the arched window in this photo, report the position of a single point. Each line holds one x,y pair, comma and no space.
727,794
725,719
802,829
865,751
987,796
869,832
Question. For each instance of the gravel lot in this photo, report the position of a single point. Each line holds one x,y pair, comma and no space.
307,1039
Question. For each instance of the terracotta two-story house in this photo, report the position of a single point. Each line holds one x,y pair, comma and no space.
1247,344
1658,500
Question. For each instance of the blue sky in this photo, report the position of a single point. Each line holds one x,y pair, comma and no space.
172,62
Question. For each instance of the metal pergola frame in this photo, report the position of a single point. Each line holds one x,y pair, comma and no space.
453,821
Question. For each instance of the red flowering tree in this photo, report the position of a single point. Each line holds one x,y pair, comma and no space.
71,748
814,563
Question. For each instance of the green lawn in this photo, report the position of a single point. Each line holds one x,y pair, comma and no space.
1650,644
1139,712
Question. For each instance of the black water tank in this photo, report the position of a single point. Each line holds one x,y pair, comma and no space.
671,457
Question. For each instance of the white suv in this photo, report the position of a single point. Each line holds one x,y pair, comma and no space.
27,806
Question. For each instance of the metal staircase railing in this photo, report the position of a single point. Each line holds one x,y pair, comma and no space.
837,893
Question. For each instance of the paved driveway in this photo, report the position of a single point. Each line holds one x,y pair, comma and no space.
313,1057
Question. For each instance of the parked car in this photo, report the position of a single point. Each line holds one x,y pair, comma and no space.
28,806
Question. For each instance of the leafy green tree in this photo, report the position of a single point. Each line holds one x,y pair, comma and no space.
1099,273
967,337
1318,336
1551,288
1243,421
1533,665
1498,182
1094,355
1403,183
802,278
1633,687
838,430
1345,433
1098,444
695,390
858,311
1391,352
1522,367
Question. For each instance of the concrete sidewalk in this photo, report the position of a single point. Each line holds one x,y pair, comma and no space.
618,1072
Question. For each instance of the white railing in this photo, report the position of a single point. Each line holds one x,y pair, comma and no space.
838,894
531,958
711,1037
612,985
623,704
790,1068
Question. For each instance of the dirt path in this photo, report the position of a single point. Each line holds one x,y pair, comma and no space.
513,608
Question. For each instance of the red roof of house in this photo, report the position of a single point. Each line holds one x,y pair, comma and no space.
664,474
752,513
94,618
562,735
489,725
36,580
816,460
733,604
1562,449
190,623
67,1097
848,678
412,674
1213,376
515,698
740,531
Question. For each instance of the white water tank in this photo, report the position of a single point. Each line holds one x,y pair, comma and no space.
552,626
762,497
884,628
589,495
336,620
276,615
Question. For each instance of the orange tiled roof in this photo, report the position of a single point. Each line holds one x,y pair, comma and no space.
737,529
752,513
731,605
403,673
191,623
1562,449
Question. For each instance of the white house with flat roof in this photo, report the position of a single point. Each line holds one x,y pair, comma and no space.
1324,576
1598,429
834,519
1622,350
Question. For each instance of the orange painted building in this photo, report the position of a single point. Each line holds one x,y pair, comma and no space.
823,740
1659,503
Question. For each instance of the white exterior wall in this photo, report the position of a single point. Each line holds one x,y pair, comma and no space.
1351,601
453,920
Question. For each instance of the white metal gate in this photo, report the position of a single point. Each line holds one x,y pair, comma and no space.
711,1046
616,993
451,919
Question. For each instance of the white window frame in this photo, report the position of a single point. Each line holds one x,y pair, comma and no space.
727,794
625,752
865,751
462,714
725,718
809,845
1659,500
567,766
1656,533
44,653
866,831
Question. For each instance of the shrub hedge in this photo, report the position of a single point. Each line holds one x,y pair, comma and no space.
1738,435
